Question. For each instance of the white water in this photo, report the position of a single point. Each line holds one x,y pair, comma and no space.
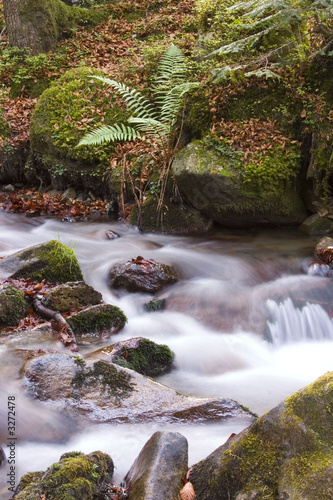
239,276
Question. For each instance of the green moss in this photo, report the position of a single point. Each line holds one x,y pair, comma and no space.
314,406
52,261
116,383
52,19
147,358
13,306
75,476
64,113
98,318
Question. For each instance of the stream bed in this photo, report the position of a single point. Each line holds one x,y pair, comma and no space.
245,322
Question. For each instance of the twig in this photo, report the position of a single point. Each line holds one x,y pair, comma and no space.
69,339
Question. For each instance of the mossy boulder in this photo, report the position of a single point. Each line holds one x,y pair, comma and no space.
142,355
97,320
73,295
75,477
286,454
52,261
177,218
13,306
142,275
214,183
74,104
316,225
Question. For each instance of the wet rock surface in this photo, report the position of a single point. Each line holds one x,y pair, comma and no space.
97,321
142,275
286,454
157,472
106,392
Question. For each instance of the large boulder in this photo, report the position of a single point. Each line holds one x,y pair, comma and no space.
286,454
13,305
210,182
105,392
51,261
157,472
142,275
75,477
64,113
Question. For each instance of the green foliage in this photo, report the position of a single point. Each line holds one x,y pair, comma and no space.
272,172
157,121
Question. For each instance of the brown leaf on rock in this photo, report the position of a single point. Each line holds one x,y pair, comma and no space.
187,493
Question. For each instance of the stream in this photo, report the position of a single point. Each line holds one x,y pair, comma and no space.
238,289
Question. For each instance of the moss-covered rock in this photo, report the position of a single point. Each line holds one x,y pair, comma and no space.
286,454
52,261
141,355
75,477
64,113
97,320
218,186
71,296
177,218
13,306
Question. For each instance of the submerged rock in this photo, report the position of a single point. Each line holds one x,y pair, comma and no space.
286,454
52,261
157,472
71,296
106,392
142,275
139,354
13,306
75,477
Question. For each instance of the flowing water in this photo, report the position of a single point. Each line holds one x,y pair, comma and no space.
244,322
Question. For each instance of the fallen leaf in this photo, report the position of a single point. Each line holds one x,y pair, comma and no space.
187,493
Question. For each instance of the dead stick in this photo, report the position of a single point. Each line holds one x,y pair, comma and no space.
50,314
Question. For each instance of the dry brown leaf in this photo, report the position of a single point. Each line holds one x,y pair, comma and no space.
187,493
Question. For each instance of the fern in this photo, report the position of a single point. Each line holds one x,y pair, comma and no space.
109,134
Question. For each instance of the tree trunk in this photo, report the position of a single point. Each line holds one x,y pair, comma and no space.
38,24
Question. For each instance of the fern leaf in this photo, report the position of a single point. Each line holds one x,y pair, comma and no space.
259,73
172,69
135,100
109,134
239,45
262,7
148,126
173,101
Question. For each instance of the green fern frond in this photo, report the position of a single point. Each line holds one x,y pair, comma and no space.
263,6
148,126
105,134
259,73
134,99
239,45
172,69
173,101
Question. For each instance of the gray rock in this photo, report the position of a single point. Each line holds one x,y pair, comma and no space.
156,473
142,275
106,392
316,225
69,194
